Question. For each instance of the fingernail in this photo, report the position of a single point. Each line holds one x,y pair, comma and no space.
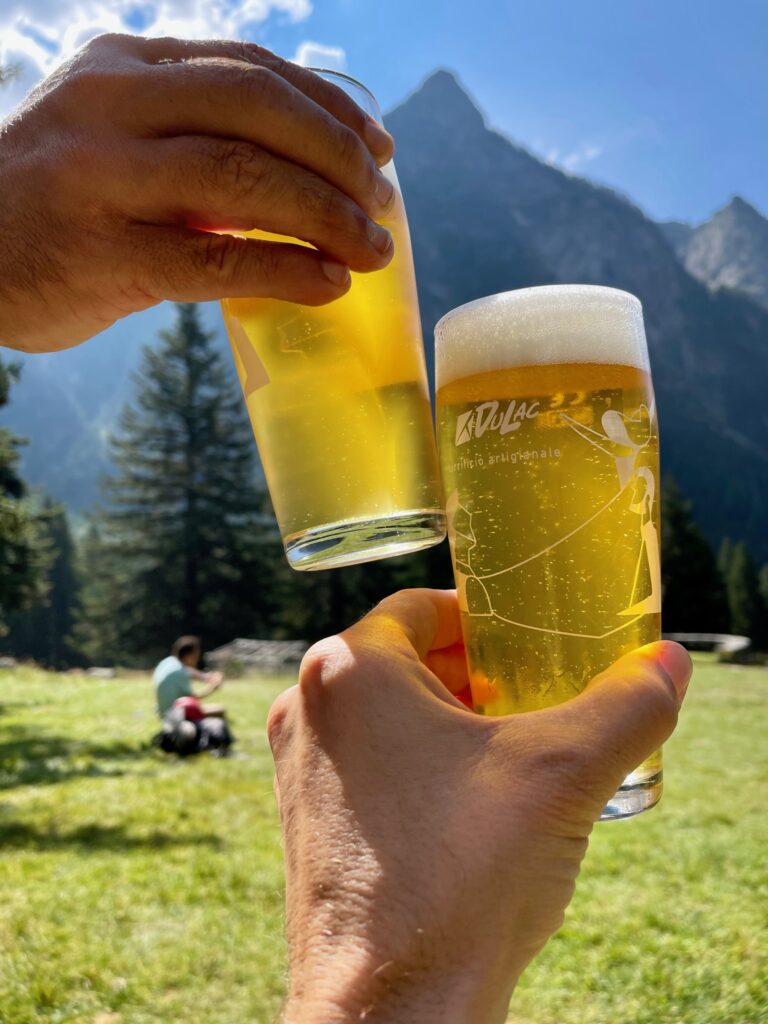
337,273
677,664
377,138
385,192
379,237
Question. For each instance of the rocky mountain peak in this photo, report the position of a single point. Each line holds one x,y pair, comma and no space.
740,208
731,250
444,102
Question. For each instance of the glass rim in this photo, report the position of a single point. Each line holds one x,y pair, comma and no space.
347,78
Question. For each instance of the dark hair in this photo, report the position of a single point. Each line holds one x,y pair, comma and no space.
186,645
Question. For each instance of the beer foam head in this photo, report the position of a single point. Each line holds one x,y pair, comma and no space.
562,323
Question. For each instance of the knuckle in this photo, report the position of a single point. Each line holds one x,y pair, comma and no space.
276,64
98,74
324,664
559,761
222,257
278,719
558,775
550,753
249,53
267,259
237,167
325,205
108,41
352,154
257,83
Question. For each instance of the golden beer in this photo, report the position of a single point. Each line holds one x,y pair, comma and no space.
338,400
549,449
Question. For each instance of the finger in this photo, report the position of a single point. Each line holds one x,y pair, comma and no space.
418,620
628,711
449,664
251,103
324,93
197,266
229,185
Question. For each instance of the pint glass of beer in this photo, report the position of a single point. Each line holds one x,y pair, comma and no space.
339,405
549,449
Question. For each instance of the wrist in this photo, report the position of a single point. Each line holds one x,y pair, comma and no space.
344,990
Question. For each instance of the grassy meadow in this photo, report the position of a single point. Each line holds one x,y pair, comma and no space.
136,889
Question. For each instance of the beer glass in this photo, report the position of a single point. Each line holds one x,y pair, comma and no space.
339,403
549,449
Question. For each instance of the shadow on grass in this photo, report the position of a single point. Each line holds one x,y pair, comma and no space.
95,838
32,758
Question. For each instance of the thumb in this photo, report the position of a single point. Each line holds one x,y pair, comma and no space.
628,711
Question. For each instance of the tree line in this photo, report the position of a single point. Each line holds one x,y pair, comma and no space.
186,541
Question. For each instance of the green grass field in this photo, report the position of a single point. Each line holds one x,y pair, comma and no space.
141,890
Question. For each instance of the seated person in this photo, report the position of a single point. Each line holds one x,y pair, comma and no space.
173,682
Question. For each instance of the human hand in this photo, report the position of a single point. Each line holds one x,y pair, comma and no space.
429,852
112,167
215,680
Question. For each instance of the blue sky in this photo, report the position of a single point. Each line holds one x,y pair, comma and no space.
666,100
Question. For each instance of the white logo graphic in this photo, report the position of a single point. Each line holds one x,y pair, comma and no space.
488,416
493,594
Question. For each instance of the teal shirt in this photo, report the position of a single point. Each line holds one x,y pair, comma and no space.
171,682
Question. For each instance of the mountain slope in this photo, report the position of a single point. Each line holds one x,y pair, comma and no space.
486,216
678,234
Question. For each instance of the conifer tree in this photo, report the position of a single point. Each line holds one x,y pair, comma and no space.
694,597
724,556
97,634
21,555
41,632
184,544
317,604
749,615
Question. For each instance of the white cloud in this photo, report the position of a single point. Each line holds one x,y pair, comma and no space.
37,35
575,159
318,55
582,155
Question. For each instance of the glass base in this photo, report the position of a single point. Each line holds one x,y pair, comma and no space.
639,792
364,540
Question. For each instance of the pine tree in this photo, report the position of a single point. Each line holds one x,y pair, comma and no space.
22,559
724,556
694,597
749,615
185,544
97,635
41,632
